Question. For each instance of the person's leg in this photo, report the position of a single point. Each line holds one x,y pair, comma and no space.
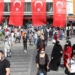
15,39
5,52
23,45
26,47
30,41
9,53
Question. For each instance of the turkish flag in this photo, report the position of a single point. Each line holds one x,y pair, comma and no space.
59,17
1,10
38,12
16,12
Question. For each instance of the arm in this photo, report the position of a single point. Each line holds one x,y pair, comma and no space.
37,65
37,61
47,59
7,71
67,65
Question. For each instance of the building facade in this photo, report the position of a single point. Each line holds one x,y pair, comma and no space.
28,7
49,9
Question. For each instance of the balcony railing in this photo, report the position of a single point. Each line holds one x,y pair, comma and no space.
27,13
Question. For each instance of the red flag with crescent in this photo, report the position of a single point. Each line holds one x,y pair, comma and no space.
59,17
1,10
38,12
16,12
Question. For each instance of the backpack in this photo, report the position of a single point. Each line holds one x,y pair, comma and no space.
41,72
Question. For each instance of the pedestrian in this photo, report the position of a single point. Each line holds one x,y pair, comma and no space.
13,37
35,38
25,42
50,34
30,38
4,65
46,37
42,62
7,47
40,43
67,52
18,36
70,65
56,56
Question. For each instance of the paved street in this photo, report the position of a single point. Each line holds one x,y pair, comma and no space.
24,63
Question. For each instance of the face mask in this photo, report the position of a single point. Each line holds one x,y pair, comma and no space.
0,58
42,52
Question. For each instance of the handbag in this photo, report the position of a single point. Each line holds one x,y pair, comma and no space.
66,71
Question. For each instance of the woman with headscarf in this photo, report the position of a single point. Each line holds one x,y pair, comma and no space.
56,56
67,52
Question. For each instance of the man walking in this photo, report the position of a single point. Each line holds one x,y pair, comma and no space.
4,65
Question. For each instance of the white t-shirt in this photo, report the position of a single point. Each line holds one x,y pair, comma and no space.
72,65
35,35
7,33
12,35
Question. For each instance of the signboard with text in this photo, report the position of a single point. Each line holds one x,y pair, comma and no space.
69,6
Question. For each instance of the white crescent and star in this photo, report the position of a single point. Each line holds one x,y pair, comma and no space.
59,2
38,2
17,1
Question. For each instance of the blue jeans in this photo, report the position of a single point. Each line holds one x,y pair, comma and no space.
35,40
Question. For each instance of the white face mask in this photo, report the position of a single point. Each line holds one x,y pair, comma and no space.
42,52
0,58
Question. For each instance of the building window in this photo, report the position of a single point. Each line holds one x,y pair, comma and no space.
49,7
6,7
28,7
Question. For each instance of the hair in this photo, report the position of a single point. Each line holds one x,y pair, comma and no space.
69,42
72,54
6,37
1,52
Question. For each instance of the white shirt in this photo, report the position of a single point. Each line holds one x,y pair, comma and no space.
72,65
12,35
17,34
7,33
35,35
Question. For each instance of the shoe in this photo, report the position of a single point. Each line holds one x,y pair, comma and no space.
25,51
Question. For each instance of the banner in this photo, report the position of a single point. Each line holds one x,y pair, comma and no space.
69,7
59,17
1,10
16,12
38,12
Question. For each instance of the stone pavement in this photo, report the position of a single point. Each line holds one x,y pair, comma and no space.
24,63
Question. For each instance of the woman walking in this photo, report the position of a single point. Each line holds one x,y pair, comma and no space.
25,43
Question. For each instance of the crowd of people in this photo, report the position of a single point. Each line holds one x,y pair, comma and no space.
40,37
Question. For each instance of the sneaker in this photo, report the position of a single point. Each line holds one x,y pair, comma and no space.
25,51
